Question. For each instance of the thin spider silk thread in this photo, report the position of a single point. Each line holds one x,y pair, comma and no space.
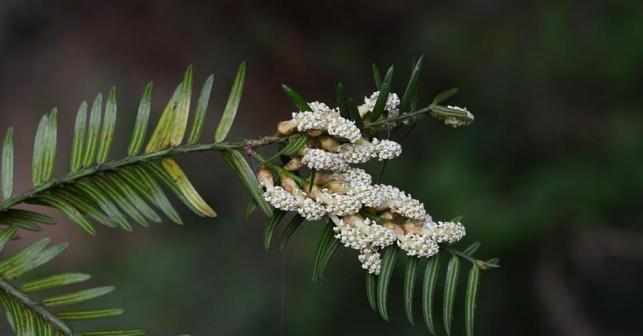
282,316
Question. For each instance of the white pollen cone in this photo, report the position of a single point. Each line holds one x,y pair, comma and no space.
367,217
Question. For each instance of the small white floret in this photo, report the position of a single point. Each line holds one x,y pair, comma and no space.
279,198
418,245
319,159
371,260
446,232
386,149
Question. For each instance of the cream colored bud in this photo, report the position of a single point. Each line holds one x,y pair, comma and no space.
264,176
312,192
411,227
350,219
289,184
387,215
328,144
336,186
321,178
294,164
314,133
287,127
392,226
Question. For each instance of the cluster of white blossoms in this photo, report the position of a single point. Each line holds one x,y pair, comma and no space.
367,217
391,106
323,118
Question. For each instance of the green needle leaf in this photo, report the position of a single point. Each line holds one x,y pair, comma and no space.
187,189
371,290
92,133
24,255
296,98
33,262
384,280
324,251
107,133
98,196
428,291
142,120
377,77
6,235
295,144
162,131
380,103
232,105
85,206
123,203
80,129
241,167
342,101
49,159
132,197
410,87
70,211
347,107
183,110
77,297
276,218
251,207
201,108
493,262
354,113
328,253
409,287
451,283
54,281
29,216
21,224
151,191
89,314
471,249
442,96
294,223
114,333
7,164
470,302
39,149
157,170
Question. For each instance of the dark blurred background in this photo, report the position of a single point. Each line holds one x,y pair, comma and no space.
548,177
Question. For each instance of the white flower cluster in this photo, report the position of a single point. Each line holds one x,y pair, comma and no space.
356,150
418,245
363,151
354,177
293,200
323,118
357,233
339,204
367,237
445,232
368,217
320,159
280,198
391,107
371,260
